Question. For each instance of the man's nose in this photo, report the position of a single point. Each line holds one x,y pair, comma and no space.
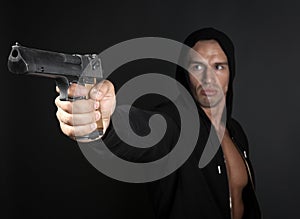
209,76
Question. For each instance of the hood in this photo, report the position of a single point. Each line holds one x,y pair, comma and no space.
228,48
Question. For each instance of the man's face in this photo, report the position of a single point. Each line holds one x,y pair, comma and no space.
208,73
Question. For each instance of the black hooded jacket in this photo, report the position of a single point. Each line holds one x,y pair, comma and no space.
191,192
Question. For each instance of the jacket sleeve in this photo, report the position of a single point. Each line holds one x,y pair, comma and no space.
139,122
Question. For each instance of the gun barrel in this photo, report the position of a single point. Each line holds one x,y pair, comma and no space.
23,60
64,68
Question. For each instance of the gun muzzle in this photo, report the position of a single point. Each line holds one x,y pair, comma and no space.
16,64
24,60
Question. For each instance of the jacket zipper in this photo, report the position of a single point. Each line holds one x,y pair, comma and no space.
230,204
245,161
230,199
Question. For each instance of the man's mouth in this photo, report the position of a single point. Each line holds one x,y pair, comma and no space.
208,92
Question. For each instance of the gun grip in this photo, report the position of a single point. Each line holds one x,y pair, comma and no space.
63,85
96,134
100,127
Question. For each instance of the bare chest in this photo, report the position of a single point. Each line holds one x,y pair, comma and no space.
237,175
235,165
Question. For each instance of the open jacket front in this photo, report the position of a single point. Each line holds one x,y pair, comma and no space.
189,192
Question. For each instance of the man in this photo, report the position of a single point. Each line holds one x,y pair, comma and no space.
222,189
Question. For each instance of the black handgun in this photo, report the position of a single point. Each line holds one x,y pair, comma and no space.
64,68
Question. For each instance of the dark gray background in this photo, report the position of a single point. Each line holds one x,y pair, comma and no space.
44,174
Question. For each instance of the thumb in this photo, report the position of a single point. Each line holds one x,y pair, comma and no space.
103,89
104,92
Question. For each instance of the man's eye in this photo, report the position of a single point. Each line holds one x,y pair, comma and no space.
219,67
198,67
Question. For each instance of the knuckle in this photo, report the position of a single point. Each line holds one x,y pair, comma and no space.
67,130
68,118
57,114
56,101
69,106
70,131
64,117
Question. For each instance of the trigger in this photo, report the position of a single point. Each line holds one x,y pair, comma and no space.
63,85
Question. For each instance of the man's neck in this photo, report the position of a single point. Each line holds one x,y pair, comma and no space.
215,116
